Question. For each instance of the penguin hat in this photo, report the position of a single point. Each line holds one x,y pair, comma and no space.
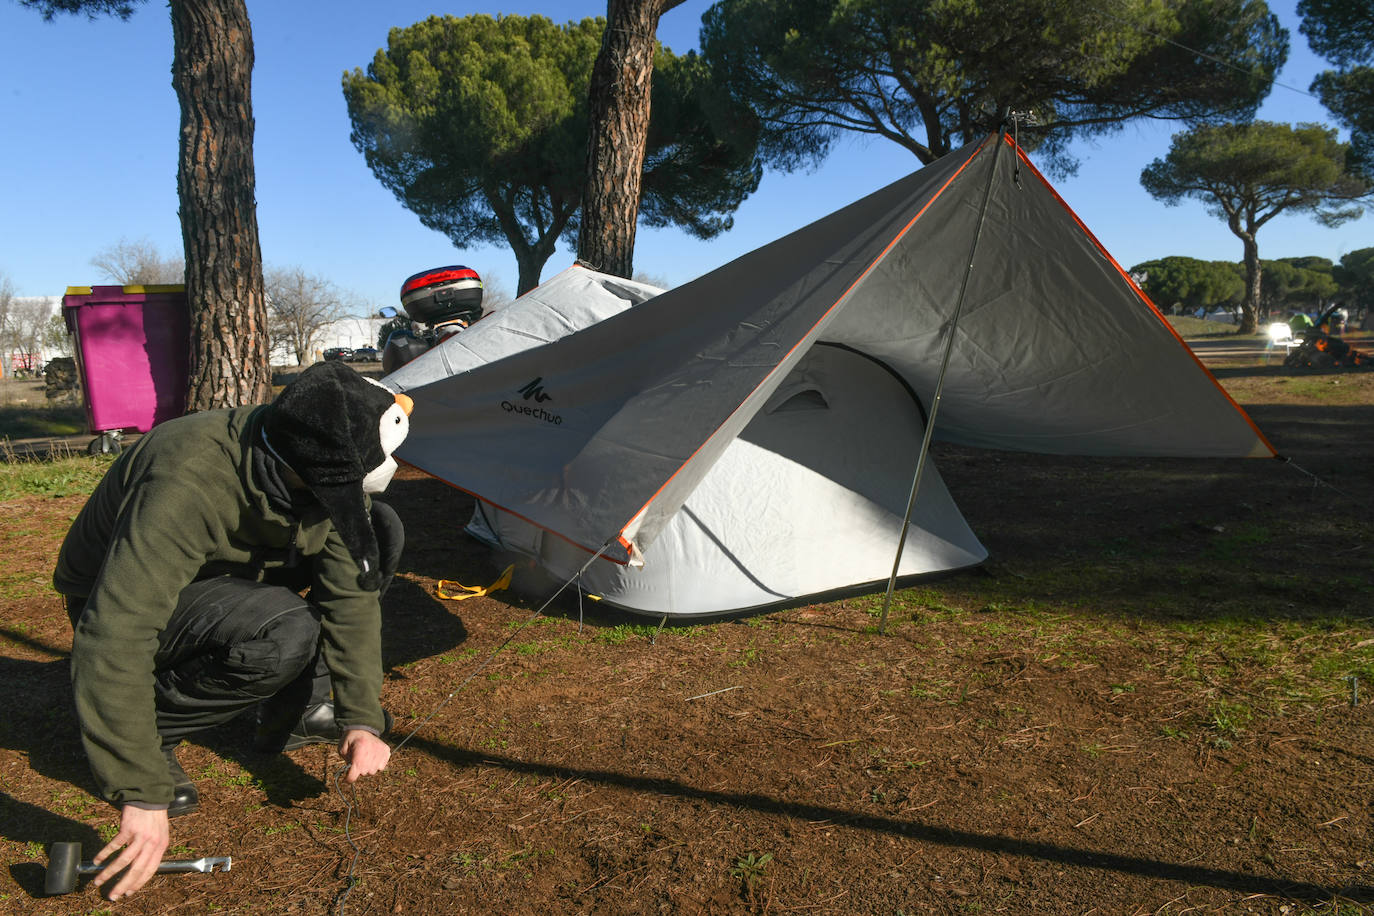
337,430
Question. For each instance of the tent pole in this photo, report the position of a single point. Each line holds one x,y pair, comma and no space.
939,385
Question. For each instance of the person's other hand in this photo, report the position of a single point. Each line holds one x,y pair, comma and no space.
365,752
140,843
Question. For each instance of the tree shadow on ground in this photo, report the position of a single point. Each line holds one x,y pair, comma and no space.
915,831
1179,537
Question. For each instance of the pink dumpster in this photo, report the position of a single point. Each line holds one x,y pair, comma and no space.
133,354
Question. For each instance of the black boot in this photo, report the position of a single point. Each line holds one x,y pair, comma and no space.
280,715
315,726
185,798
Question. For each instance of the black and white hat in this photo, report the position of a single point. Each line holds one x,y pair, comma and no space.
337,429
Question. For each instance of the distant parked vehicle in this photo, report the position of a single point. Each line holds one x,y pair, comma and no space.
365,355
343,353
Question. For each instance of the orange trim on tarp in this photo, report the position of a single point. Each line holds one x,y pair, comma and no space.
1140,292
495,505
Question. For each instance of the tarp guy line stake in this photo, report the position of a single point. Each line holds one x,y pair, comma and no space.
351,803
940,381
1317,481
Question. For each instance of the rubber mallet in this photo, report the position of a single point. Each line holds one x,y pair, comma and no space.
64,865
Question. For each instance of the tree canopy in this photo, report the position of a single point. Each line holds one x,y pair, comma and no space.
1190,283
92,8
1304,284
1355,274
1342,31
933,74
1247,174
479,126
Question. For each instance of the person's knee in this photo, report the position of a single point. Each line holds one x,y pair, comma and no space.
278,653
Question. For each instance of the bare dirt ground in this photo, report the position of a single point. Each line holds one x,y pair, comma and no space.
1140,705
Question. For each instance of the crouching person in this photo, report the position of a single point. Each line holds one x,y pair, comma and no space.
183,577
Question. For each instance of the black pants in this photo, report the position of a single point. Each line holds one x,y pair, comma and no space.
233,643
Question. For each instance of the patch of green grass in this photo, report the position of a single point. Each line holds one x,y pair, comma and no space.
63,477
538,648
925,690
521,856
25,422
227,774
72,803
750,868
1301,661
23,587
1234,546
529,624
929,601
244,779
621,633
1337,664
1188,326
746,658
1328,389
1228,719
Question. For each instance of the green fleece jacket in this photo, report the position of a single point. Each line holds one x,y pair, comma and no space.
181,505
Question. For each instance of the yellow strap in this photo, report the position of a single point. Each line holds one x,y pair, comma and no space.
480,591
144,288
157,288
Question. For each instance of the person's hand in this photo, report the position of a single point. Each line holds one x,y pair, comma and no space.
365,752
143,836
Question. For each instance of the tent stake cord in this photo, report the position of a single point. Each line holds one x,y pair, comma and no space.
939,385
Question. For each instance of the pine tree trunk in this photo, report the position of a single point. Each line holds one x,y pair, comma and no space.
1249,306
212,71
529,269
619,127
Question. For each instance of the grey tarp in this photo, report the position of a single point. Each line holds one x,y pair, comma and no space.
798,503
603,434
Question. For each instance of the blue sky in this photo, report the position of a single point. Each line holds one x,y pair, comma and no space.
90,143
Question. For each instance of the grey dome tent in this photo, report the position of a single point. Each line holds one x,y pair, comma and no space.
750,438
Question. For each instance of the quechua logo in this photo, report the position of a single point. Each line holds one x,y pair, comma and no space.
533,391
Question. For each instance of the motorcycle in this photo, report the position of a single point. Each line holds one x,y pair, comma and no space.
1321,350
